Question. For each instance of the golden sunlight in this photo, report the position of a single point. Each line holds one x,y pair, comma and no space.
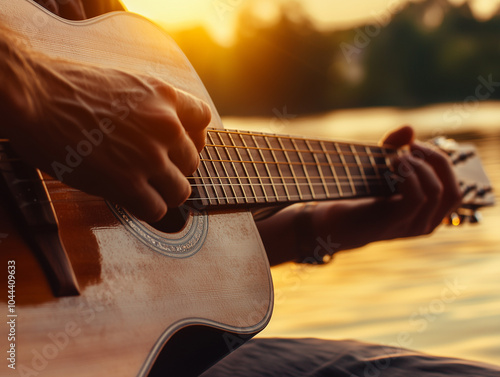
219,16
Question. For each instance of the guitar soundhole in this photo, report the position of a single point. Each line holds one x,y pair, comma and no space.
173,222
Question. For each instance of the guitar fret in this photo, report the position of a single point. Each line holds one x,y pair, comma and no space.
199,180
218,176
216,197
360,166
282,137
292,173
332,169
251,170
318,168
301,159
257,168
247,176
285,186
217,151
266,165
256,171
278,167
346,169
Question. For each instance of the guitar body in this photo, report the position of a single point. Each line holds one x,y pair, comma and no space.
200,292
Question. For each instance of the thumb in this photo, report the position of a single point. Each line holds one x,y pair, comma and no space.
397,138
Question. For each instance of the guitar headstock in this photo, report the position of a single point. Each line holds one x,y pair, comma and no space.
476,187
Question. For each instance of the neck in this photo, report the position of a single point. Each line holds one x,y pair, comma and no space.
243,169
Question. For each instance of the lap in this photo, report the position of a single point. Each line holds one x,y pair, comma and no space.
264,357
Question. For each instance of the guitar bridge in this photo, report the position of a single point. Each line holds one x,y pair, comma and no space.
36,220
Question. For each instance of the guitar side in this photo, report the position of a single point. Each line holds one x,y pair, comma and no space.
135,297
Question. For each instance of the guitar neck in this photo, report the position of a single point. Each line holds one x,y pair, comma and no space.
250,169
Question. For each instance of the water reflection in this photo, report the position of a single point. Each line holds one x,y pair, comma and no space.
438,294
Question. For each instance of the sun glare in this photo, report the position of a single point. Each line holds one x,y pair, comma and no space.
219,16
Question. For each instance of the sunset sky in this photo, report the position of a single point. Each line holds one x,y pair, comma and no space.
219,15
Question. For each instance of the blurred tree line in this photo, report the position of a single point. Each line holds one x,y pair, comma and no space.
421,53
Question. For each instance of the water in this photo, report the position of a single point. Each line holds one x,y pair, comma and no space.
437,294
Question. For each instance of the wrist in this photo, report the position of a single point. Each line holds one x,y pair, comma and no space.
20,91
311,248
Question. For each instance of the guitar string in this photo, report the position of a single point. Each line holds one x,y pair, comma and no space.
358,182
363,166
276,198
316,151
289,137
195,178
295,198
382,154
17,159
349,179
293,163
274,136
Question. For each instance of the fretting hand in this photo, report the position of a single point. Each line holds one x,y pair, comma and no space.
428,191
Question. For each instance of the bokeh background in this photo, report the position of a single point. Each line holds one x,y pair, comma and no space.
353,70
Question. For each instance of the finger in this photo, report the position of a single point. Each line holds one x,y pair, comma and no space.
142,200
167,137
172,186
405,207
398,138
184,155
430,191
195,116
443,168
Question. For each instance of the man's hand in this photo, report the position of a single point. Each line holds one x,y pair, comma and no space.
427,192
129,138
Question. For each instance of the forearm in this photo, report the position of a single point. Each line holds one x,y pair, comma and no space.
305,232
20,86
295,234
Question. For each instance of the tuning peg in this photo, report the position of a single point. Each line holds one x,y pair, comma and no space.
464,156
483,191
475,217
454,219
448,145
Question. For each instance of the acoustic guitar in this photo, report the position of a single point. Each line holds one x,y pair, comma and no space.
92,291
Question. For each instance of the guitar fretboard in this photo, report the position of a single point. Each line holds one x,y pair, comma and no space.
250,168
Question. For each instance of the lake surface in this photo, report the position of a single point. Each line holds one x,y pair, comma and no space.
438,294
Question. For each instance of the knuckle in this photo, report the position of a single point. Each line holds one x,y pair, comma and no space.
155,156
205,114
456,196
180,194
157,212
420,199
195,162
167,91
172,127
435,193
